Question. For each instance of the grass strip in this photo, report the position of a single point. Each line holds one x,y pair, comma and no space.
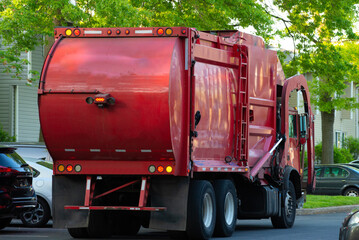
45,164
319,201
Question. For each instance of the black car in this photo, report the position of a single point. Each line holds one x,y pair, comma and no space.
337,179
16,191
350,227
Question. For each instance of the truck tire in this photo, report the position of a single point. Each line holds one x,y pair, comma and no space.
351,192
98,226
227,205
78,232
288,209
125,223
201,212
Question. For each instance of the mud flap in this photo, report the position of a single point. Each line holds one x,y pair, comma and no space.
172,193
69,190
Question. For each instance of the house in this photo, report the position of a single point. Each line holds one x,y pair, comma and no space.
18,100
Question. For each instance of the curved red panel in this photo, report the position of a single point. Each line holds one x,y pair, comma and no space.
136,72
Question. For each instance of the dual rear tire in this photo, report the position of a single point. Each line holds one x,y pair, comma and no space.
211,209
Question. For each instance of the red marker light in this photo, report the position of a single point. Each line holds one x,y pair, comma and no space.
160,31
183,31
118,31
69,168
109,32
77,32
160,169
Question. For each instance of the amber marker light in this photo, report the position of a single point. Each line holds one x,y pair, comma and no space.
169,169
99,99
69,168
160,169
127,31
169,31
160,31
68,32
61,168
109,32
77,32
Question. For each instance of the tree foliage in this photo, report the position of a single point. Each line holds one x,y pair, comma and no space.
320,28
24,22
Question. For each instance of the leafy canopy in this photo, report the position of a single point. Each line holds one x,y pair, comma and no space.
24,22
319,28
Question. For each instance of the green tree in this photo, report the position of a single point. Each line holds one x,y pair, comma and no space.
319,28
24,22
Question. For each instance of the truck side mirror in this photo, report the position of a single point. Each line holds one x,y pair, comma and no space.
303,120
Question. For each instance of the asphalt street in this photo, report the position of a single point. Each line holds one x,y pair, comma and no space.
306,227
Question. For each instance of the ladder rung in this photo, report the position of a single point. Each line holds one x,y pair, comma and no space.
243,77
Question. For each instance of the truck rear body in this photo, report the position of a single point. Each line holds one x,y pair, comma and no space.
137,105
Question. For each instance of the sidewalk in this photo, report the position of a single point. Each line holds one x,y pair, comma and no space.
339,209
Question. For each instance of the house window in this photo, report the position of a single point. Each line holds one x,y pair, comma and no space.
339,138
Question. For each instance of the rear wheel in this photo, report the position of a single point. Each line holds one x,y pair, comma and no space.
125,223
4,222
78,232
226,202
351,192
37,217
201,213
287,218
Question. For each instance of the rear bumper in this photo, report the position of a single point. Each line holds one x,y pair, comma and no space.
17,205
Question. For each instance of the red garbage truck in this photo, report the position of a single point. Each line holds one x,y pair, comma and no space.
171,128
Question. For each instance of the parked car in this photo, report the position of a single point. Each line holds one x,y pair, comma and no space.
337,179
350,227
31,150
16,191
42,182
355,161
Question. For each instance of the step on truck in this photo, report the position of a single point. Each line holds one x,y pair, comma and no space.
172,129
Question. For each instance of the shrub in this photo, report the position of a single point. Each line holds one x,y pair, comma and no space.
352,144
341,155
5,136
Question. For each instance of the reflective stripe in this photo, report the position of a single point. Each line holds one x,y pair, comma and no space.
95,150
92,32
146,150
69,150
120,150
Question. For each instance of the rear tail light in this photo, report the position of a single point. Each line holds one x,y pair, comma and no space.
160,169
127,31
69,168
109,32
5,171
61,168
77,32
169,31
160,32
101,100
68,32
118,31
169,169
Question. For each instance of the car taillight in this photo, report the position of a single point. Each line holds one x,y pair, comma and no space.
4,171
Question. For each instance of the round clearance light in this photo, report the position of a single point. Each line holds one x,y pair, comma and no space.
160,169
77,32
90,100
183,31
55,32
68,32
160,31
118,31
69,168
169,31
78,168
109,32
151,169
61,168
127,31
169,169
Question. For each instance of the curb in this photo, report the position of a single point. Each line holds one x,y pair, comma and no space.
325,210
